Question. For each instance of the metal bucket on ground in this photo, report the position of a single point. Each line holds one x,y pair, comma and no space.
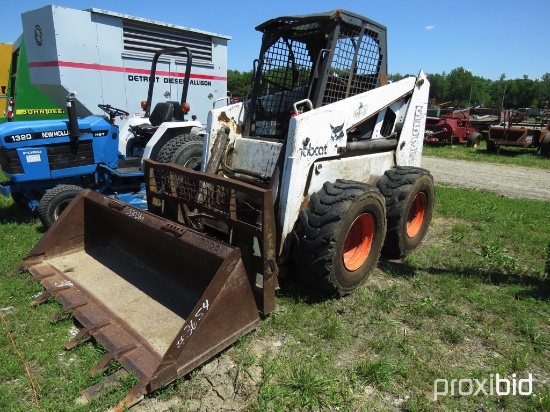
162,298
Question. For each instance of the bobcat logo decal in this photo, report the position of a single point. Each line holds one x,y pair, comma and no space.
337,132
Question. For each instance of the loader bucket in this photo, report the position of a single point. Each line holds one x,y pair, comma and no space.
162,298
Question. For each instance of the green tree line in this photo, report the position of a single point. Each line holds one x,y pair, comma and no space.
459,87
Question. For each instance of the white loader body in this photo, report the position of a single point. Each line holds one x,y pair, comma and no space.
317,147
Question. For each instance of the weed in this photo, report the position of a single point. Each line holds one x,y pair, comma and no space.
331,328
496,258
380,372
301,385
459,232
528,328
427,307
519,359
417,403
541,400
452,334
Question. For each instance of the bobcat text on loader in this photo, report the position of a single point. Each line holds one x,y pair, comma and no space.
318,173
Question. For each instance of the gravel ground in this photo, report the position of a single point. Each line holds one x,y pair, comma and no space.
507,181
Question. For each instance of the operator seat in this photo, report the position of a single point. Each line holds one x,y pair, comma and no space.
163,112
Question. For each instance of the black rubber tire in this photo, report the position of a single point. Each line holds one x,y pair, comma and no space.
491,146
189,155
54,202
171,147
545,145
323,228
473,140
404,187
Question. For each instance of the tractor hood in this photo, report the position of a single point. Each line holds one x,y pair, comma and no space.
45,149
33,133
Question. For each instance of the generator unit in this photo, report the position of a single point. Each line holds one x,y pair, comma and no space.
104,58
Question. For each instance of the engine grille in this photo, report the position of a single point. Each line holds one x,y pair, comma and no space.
63,155
9,161
144,40
60,156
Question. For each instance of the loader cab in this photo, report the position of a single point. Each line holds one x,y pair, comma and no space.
310,61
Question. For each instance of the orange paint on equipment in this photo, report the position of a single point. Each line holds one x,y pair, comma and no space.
416,214
359,241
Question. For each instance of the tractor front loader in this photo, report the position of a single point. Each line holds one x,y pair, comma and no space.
316,173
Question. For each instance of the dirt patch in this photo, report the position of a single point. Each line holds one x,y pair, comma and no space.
221,384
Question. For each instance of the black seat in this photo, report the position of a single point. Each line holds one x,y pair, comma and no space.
163,112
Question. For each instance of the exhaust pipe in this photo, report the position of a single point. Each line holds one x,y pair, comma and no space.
74,131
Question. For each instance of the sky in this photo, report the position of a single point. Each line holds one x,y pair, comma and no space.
487,37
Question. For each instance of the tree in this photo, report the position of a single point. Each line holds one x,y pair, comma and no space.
460,83
395,77
239,84
438,87
497,92
459,87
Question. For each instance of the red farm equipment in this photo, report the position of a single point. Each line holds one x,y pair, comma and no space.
451,128
516,133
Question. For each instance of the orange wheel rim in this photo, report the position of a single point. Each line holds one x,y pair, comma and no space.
416,214
358,242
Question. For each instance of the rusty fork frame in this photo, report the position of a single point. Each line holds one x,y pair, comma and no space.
184,195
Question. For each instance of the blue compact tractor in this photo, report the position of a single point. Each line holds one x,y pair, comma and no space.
48,162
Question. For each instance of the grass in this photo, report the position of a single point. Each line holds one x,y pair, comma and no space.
472,301
507,155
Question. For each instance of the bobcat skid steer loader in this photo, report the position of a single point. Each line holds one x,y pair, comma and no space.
317,172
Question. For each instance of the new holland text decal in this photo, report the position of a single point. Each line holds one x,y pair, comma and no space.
48,135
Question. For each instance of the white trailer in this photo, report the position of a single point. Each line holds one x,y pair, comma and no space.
105,57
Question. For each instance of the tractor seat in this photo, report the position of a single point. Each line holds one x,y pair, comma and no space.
163,112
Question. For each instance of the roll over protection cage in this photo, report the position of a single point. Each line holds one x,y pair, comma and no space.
321,57
172,50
